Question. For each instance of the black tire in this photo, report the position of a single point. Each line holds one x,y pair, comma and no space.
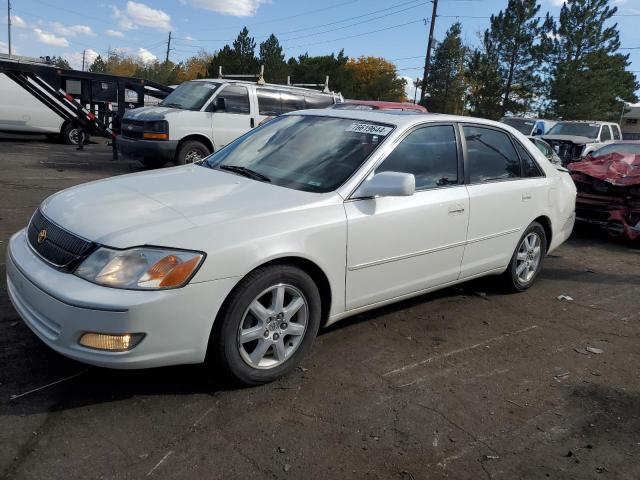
190,148
152,162
69,135
512,281
224,343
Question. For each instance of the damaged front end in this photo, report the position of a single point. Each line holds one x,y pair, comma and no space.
609,193
569,148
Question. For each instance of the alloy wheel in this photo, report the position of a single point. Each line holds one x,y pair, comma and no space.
528,257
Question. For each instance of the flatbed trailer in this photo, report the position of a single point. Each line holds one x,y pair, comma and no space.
93,102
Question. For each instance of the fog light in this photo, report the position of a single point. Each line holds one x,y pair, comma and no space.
112,343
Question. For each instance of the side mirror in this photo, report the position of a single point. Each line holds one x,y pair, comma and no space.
221,104
387,184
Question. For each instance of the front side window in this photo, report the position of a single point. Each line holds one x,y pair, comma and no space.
269,102
491,155
616,132
236,99
429,153
190,95
303,152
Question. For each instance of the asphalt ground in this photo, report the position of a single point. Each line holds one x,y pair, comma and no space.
465,383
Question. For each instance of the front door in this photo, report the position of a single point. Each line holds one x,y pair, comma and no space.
401,245
234,119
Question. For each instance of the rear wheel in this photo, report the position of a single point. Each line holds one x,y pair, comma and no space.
71,135
191,151
526,261
268,325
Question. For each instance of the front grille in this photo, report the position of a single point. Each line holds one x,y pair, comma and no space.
57,246
132,128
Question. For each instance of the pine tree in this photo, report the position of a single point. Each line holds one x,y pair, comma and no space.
244,48
98,65
272,57
484,93
446,84
515,35
588,75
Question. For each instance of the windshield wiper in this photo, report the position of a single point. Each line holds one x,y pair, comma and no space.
171,105
245,172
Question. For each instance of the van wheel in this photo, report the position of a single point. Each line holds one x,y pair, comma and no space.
268,324
70,135
526,261
152,162
191,151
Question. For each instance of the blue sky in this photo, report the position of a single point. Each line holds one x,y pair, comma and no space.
391,29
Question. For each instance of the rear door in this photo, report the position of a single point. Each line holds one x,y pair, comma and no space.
235,120
500,198
401,245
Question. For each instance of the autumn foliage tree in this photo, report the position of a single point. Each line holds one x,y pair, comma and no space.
375,78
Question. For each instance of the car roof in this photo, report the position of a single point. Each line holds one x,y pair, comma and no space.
269,85
398,118
384,105
599,122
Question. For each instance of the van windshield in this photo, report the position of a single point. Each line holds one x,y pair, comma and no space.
190,95
523,125
589,130
303,152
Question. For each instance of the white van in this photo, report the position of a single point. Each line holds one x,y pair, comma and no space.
21,112
202,116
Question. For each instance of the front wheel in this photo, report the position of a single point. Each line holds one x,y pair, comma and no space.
526,261
268,325
191,151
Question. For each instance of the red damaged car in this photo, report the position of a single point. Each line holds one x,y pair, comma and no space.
608,183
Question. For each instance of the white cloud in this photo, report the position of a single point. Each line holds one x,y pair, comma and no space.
410,89
50,39
146,56
114,33
140,15
557,3
75,59
18,22
190,38
236,8
71,30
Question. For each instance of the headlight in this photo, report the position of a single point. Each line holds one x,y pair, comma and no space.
157,130
140,268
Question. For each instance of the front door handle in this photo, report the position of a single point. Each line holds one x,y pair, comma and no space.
456,209
526,196
252,122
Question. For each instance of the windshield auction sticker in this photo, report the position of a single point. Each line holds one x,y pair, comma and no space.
369,128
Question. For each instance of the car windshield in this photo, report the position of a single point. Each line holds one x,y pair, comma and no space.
190,95
523,125
303,152
589,130
622,148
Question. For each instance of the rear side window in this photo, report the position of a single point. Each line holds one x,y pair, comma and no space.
616,132
606,133
291,102
269,102
529,166
491,155
236,99
430,153
318,101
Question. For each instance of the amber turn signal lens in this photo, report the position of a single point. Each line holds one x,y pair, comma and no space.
180,273
155,136
111,343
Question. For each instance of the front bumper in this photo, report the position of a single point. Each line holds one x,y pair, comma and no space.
59,307
153,149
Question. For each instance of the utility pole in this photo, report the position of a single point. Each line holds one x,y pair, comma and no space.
9,24
427,59
83,54
168,48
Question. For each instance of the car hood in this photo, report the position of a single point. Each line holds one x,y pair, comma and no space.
142,208
568,138
620,169
151,113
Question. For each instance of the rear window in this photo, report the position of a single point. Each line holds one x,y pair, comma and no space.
523,125
269,102
491,155
318,101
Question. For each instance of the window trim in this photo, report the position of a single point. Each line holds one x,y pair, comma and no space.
467,171
397,141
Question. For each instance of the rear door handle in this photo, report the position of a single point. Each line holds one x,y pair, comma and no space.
526,196
456,209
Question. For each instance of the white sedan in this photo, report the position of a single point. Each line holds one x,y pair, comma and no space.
313,217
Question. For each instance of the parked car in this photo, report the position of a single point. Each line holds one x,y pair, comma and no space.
378,105
202,116
21,112
546,150
608,183
531,127
574,139
316,216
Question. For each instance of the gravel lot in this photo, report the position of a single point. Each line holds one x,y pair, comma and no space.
464,383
